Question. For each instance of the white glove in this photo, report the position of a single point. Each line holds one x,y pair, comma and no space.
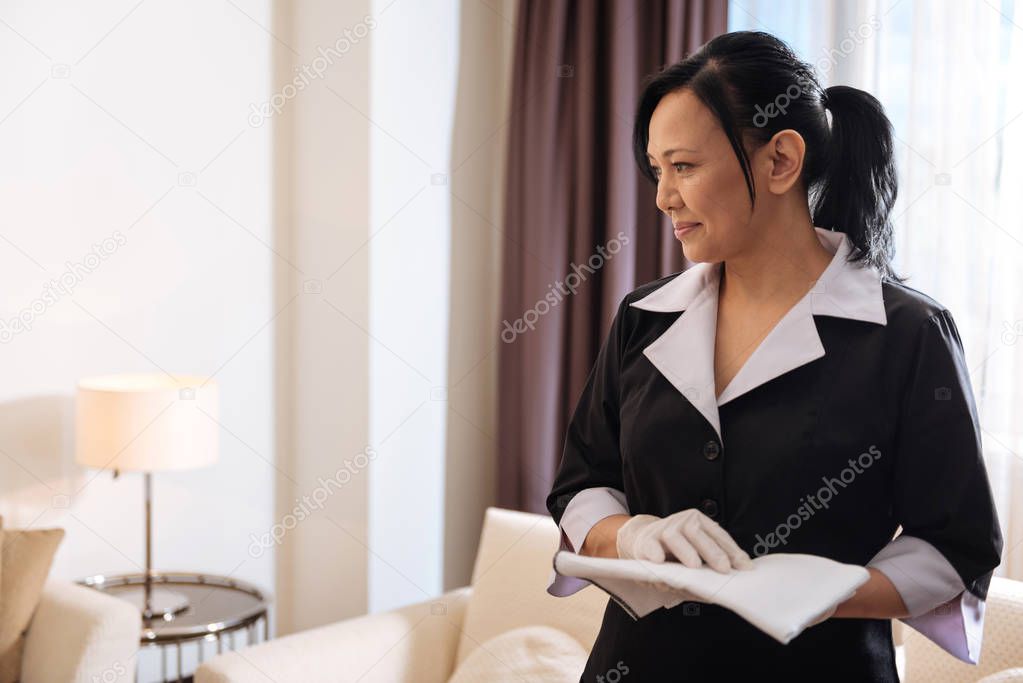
690,536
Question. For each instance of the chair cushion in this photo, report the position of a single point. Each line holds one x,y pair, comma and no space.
509,584
24,565
539,654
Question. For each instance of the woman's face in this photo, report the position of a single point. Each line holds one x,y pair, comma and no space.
699,179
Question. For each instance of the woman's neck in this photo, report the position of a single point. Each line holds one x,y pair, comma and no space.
778,268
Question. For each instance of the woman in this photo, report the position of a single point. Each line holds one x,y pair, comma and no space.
785,394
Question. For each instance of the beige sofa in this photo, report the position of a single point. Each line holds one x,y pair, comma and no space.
79,635
426,641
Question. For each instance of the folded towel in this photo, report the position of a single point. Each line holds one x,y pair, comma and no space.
781,595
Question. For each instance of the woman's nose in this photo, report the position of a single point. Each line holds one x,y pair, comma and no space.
668,198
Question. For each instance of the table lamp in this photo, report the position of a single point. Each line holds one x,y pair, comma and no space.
147,423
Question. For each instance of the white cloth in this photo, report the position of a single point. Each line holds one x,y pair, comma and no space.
923,577
782,595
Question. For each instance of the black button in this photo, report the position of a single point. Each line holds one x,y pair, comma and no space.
711,450
709,507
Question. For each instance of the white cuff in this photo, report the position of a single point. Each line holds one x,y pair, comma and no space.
586,508
956,626
559,585
939,605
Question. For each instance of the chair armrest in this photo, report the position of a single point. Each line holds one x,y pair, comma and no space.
416,642
80,635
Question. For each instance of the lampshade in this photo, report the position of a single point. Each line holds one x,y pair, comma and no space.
146,422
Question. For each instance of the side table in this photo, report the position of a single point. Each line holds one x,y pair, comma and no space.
218,608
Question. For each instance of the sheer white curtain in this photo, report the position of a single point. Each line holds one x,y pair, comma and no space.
948,76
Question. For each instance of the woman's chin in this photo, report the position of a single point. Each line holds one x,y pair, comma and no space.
693,253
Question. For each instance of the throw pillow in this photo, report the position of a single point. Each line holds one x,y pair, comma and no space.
24,565
539,654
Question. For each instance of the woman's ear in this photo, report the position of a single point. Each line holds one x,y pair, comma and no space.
784,155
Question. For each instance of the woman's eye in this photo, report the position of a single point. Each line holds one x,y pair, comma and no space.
679,167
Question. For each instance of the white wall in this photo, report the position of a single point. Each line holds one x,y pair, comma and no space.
127,121
397,353
415,53
248,240
479,150
441,81
322,160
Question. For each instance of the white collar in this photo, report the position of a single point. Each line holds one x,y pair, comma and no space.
684,354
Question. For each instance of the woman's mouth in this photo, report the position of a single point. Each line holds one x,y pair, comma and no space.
682,229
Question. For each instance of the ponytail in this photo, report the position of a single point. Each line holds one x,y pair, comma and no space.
858,184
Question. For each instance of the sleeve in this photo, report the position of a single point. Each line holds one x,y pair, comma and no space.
585,509
588,485
922,577
951,541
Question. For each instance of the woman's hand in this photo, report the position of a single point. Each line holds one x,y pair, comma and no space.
690,536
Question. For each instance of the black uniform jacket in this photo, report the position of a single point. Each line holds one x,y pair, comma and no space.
860,365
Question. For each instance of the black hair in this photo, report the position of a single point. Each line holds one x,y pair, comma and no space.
755,85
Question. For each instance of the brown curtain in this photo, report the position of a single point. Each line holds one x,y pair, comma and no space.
572,187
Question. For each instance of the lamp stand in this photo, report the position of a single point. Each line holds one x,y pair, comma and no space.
152,601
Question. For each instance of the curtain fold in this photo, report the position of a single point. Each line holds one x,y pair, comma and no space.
581,224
